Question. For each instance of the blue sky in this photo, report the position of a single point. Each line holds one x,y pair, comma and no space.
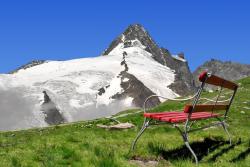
61,30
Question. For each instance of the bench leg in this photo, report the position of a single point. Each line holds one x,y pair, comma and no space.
185,138
191,150
228,134
144,127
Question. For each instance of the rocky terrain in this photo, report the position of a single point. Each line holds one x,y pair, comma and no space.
229,70
29,65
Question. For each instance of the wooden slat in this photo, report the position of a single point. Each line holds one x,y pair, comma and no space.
215,80
206,107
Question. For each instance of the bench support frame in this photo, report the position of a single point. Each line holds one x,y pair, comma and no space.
184,134
187,128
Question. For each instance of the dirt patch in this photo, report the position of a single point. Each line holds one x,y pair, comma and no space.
117,126
144,163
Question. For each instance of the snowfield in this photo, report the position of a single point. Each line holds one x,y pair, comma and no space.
141,64
74,85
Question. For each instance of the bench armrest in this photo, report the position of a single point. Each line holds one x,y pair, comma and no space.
167,98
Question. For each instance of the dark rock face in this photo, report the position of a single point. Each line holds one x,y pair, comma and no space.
184,82
134,88
137,90
228,70
28,65
52,114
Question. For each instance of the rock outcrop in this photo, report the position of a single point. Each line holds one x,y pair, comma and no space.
134,88
28,65
229,70
52,114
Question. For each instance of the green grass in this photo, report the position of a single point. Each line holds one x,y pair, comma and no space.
84,144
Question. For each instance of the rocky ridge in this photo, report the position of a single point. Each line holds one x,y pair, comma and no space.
184,82
227,69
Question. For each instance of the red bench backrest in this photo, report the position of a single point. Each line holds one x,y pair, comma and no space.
217,81
205,107
207,78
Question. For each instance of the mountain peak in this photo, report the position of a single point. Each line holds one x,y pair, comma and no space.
133,32
135,27
135,35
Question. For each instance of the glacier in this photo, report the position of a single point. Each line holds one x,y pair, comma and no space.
74,85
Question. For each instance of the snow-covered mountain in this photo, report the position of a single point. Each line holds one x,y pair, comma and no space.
132,68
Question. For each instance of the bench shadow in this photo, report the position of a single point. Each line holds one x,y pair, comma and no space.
201,148
224,150
242,155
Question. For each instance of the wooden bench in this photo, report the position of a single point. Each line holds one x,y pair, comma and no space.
195,111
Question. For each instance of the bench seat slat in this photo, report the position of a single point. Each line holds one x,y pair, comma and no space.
205,115
160,114
176,117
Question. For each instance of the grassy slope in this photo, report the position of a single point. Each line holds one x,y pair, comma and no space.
83,144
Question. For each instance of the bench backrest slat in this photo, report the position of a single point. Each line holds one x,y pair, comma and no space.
217,81
205,107
207,78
